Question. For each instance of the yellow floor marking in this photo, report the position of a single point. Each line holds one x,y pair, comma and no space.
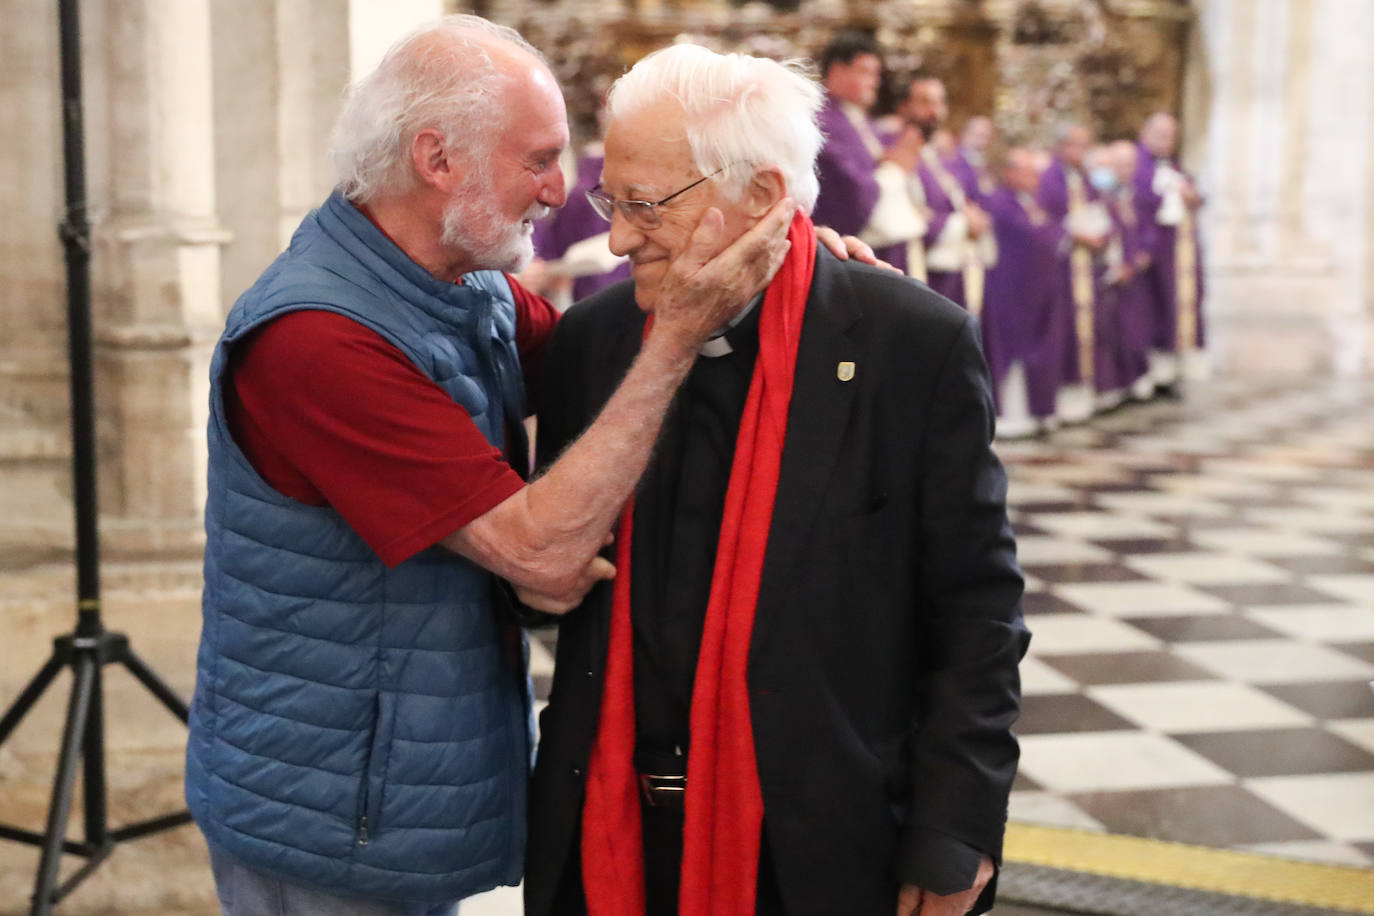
1202,868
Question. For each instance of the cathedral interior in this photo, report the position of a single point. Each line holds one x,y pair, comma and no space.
1197,727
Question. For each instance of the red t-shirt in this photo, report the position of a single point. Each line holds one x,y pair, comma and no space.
330,413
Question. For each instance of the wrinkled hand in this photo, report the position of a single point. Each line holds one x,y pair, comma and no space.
850,246
906,151
708,283
914,901
599,569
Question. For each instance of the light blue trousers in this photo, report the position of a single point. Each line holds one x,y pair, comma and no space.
244,891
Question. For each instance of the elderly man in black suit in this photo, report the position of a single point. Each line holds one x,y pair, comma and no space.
797,696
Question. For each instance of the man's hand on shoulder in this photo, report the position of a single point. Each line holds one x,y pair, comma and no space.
845,247
915,901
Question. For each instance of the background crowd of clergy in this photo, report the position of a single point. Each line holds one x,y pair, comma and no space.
1081,260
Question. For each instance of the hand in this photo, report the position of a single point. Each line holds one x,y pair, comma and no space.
906,152
914,901
708,283
850,246
597,570
978,220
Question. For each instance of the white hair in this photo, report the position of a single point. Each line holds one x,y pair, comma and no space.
441,76
737,109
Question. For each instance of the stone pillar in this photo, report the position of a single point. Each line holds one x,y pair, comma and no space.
374,25
1278,127
33,289
280,69
157,262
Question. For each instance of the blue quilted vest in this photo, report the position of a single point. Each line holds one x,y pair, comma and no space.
355,727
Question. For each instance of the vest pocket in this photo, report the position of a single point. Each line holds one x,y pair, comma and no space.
374,770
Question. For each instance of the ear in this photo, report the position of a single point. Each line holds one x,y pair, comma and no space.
431,159
765,189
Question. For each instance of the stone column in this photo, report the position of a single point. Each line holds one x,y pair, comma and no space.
157,262
33,289
280,69
1279,130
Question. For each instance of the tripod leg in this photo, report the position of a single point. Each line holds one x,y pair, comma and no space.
64,783
155,685
30,695
93,762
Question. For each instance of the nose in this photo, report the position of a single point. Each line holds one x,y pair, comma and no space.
625,238
554,192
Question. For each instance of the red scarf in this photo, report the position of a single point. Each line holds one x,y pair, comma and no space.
724,805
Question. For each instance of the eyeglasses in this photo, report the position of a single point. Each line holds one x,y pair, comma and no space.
642,214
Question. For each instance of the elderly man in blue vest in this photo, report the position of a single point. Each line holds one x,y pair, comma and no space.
360,728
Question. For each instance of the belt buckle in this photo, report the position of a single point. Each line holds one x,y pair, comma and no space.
663,791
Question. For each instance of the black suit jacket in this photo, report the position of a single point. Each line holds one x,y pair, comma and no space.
883,665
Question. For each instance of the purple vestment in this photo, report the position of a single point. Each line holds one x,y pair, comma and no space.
1021,297
939,207
1053,195
849,192
975,181
1161,280
1128,299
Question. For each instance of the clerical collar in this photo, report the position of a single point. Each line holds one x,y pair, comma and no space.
741,326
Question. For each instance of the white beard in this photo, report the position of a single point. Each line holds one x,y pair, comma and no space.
473,225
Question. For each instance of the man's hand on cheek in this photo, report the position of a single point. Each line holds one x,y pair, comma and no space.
710,281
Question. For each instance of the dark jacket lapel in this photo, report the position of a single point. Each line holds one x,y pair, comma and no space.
817,420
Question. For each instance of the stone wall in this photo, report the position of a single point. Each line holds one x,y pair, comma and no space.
1280,112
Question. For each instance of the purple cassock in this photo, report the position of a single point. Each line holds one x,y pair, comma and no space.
1128,300
975,181
939,207
1021,297
576,222
1055,198
848,192
1174,285
845,166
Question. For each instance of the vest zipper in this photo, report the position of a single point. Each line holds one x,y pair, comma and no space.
362,830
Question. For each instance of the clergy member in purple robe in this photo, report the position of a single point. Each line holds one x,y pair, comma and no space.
1022,333
957,232
970,163
1168,199
1128,258
863,184
1069,198
575,242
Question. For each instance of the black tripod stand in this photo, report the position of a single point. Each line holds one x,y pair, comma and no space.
87,650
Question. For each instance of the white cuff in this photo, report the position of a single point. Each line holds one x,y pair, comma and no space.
895,218
947,254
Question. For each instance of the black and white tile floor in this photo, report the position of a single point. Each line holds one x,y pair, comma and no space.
1201,593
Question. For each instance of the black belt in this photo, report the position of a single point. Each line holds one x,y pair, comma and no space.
661,791
662,778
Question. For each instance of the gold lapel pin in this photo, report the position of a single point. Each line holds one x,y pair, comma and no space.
844,371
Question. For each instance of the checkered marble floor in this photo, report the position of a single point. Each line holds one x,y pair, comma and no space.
1201,594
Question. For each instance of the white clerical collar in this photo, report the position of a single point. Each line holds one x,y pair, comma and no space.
719,345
